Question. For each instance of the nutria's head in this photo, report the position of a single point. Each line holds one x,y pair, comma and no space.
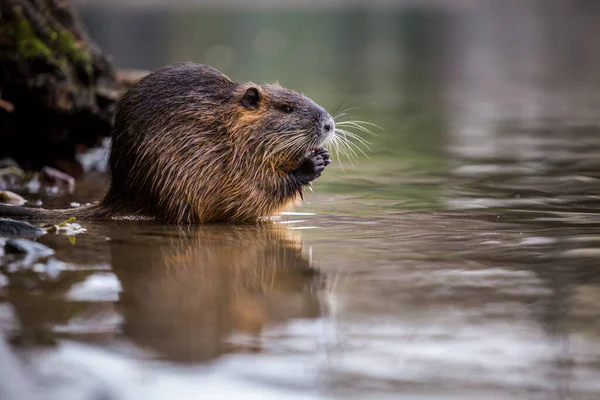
278,123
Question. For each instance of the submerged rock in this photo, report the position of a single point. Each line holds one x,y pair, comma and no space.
29,247
10,227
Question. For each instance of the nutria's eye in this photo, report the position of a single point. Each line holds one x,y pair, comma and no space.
286,108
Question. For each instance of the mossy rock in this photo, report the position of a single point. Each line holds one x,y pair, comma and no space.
53,85
58,48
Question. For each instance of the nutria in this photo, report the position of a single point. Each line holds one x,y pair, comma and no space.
190,145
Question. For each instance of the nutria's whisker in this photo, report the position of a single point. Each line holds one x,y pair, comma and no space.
359,121
338,106
336,147
295,144
359,125
344,145
347,137
354,136
343,112
352,144
349,143
355,132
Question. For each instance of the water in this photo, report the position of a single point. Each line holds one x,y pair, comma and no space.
460,261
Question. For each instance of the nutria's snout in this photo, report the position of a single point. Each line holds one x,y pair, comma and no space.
327,129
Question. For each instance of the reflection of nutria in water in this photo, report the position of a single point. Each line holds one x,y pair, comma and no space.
183,296
191,146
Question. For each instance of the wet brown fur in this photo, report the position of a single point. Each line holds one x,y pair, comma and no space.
185,149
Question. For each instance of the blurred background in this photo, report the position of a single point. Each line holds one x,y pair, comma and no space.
458,258
442,78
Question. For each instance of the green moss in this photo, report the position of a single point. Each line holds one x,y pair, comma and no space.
27,45
64,43
61,48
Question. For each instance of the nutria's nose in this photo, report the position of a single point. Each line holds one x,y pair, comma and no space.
328,124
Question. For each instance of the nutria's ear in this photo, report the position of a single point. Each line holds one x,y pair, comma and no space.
251,98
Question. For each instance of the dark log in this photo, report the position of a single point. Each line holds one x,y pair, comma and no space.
57,89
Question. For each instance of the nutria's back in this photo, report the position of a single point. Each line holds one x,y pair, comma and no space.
189,145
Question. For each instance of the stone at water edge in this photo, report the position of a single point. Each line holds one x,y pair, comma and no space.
29,247
10,227
25,253
8,197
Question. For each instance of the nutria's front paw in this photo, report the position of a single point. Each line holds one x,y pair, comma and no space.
312,166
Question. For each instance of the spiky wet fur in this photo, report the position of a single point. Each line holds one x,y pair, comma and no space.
185,150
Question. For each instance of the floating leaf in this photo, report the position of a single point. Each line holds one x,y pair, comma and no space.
68,227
